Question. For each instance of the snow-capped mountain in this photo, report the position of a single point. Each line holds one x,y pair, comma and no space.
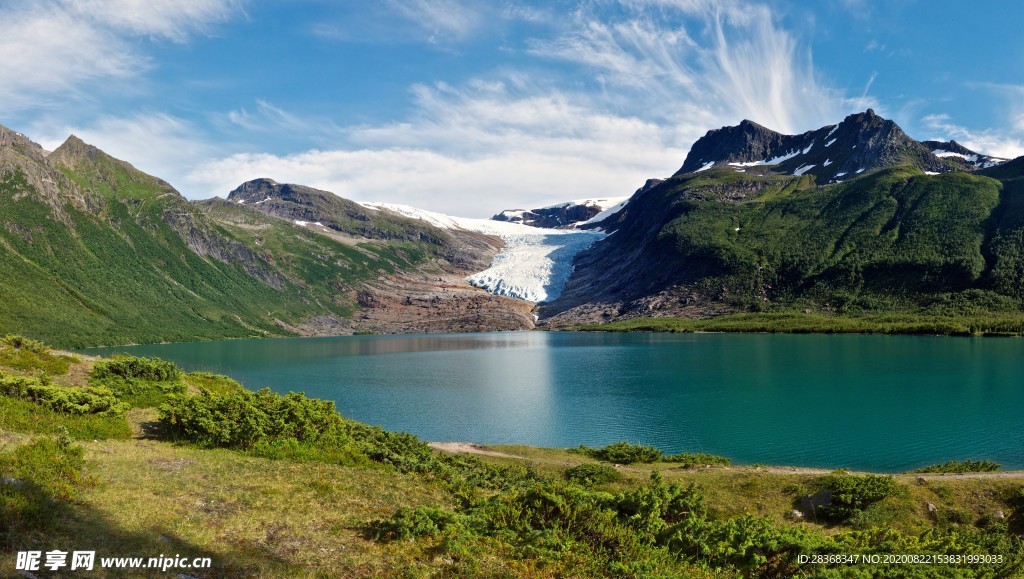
570,214
861,142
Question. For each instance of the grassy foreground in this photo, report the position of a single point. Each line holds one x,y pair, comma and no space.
131,457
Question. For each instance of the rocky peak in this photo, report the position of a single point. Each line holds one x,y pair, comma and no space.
99,166
14,143
861,142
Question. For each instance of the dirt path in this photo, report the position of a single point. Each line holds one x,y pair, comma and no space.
468,448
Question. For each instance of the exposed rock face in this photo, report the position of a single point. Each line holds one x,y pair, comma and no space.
418,302
955,154
434,297
559,216
862,142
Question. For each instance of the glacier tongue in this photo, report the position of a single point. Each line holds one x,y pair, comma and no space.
535,263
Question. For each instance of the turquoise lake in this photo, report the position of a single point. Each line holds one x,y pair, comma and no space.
882,403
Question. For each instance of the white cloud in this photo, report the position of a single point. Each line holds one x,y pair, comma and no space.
737,64
988,142
670,70
471,153
440,19
54,50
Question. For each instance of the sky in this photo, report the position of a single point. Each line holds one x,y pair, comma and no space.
469,107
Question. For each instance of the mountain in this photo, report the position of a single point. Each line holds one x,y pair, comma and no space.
568,215
94,251
851,217
862,142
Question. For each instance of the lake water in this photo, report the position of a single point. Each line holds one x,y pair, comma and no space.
882,403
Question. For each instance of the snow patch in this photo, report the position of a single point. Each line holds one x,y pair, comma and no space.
608,212
808,149
705,166
840,174
827,163
829,144
535,264
802,169
941,153
774,161
834,129
931,173
301,223
859,171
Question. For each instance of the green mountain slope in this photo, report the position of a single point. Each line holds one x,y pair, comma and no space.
93,251
728,238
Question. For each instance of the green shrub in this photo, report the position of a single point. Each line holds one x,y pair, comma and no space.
132,367
244,419
63,399
212,383
19,415
23,343
622,453
142,382
696,459
409,523
590,474
852,494
960,466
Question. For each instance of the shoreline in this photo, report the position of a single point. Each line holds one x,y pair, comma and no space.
499,451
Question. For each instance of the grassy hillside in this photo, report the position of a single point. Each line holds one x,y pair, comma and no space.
149,460
108,255
893,241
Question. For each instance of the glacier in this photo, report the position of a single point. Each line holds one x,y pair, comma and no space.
535,263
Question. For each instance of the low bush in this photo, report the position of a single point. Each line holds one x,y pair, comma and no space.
590,474
212,383
245,419
696,459
852,494
132,367
63,399
23,343
622,453
20,415
961,466
142,382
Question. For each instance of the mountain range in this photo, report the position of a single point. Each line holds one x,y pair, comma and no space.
853,217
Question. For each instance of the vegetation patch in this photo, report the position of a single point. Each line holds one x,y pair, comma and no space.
63,399
852,494
27,355
36,480
142,382
961,466
696,459
622,453
589,474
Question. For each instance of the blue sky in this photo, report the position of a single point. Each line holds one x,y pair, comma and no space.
470,107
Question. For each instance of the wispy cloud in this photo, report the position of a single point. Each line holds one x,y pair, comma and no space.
55,50
471,151
711,62
990,142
